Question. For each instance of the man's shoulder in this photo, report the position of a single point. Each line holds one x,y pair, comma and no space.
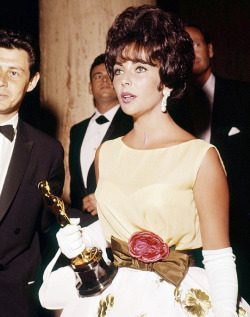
233,98
120,112
80,125
120,125
37,135
122,116
229,83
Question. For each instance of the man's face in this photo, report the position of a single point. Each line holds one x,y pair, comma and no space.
100,86
14,81
203,52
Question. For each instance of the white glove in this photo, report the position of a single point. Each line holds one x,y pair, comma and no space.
93,237
70,239
222,278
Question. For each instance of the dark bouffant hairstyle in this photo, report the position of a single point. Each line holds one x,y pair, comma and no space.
161,35
20,40
100,59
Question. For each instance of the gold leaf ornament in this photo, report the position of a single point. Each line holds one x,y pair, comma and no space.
242,312
177,294
110,301
197,302
105,304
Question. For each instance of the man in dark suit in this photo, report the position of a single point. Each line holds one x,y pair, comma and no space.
219,111
27,157
108,122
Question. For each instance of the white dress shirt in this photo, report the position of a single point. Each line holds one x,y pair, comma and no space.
6,150
208,89
93,137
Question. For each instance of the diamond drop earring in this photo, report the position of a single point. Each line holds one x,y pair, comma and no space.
166,94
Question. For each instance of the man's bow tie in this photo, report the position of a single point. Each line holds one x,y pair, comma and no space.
7,131
102,119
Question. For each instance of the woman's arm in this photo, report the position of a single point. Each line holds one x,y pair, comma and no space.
212,200
97,164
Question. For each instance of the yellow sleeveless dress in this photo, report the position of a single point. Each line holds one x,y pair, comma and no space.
145,190
150,190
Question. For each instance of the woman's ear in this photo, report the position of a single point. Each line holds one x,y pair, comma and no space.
167,90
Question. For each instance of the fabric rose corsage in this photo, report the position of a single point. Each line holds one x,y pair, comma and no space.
147,247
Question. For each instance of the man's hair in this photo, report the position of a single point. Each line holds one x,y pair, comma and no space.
100,59
16,39
160,37
203,32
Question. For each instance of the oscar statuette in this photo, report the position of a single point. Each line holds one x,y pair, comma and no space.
93,273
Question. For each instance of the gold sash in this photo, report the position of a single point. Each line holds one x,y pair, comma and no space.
173,269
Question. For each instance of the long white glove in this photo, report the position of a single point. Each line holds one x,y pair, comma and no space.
70,239
73,239
93,237
222,278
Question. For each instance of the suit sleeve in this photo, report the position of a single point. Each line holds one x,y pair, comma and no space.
56,181
74,168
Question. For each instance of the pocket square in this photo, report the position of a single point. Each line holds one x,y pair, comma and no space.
31,282
233,131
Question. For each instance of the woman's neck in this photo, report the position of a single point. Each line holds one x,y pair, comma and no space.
151,132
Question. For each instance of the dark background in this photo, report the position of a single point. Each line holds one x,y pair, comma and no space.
20,14
226,21
23,15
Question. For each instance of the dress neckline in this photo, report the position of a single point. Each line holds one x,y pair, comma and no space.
161,148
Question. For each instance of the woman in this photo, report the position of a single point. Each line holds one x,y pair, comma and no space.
157,185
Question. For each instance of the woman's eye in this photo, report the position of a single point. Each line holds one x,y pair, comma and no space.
141,69
196,45
117,71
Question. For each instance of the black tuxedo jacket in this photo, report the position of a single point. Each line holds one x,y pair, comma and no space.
23,217
231,109
120,125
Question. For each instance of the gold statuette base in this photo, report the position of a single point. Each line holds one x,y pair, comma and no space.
93,273
95,277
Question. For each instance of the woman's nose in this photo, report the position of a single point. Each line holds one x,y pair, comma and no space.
126,82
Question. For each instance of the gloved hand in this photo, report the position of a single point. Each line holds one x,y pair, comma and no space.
70,239
93,237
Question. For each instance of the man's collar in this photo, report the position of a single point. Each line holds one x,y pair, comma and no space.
13,121
208,89
209,82
109,114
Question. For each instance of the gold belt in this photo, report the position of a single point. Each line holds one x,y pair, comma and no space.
173,269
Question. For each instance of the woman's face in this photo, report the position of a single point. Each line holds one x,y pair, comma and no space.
136,85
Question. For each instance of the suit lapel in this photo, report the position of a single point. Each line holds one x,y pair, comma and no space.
221,121
114,124
79,141
17,167
91,182
79,138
